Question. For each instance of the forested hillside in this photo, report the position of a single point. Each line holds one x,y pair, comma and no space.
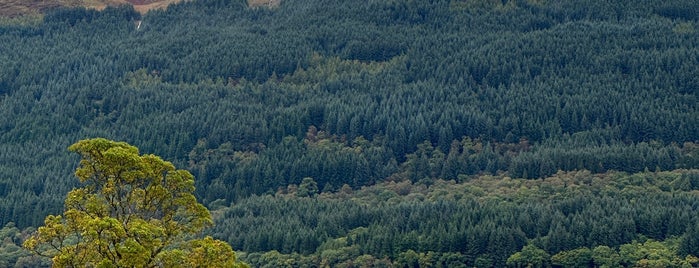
252,100
574,219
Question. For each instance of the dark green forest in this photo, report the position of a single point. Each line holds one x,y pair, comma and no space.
574,219
298,120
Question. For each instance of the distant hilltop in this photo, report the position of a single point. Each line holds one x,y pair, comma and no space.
14,8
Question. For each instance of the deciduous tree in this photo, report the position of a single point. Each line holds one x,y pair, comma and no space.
132,211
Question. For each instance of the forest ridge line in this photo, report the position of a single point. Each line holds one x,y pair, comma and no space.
15,8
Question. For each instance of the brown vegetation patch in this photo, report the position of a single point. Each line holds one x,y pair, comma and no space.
142,2
264,3
14,8
144,6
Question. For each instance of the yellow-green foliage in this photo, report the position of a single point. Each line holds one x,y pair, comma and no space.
132,211
650,253
684,28
325,69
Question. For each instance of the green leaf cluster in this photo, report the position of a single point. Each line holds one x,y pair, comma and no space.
132,211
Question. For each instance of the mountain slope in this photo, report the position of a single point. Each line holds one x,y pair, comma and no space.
251,100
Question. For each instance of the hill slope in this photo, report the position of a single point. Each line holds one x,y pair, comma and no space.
251,100
13,8
257,101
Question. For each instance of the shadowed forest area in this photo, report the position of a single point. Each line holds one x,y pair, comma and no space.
369,133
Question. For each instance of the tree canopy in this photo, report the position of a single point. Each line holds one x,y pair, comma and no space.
356,96
132,211
350,93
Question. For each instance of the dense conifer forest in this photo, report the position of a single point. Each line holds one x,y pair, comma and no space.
369,133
